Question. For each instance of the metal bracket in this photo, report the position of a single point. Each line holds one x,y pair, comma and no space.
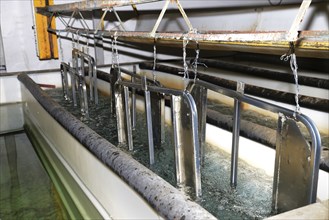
293,32
163,11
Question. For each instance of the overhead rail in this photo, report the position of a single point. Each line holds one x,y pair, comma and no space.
89,5
307,43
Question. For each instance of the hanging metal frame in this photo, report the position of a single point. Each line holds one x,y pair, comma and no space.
188,171
239,97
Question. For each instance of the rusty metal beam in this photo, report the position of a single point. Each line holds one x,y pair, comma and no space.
89,5
309,44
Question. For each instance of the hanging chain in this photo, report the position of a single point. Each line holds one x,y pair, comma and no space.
195,62
73,42
116,53
87,43
78,40
112,48
185,72
154,60
60,46
293,65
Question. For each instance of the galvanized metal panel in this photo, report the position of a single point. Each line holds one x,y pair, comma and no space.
293,174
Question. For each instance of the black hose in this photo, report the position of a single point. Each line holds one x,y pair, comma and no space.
267,74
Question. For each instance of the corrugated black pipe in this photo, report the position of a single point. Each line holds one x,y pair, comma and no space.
266,74
284,97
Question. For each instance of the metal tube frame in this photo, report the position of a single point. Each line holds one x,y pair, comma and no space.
235,137
311,127
194,119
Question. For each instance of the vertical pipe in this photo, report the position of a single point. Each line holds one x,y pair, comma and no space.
65,84
163,113
122,136
83,89
95,80
91,80
199,94
156,118
128,118
235,137
148,112
133,100
175,107
73,76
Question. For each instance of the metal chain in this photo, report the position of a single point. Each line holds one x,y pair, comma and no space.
294,68
116,51
112,48
195,62
290,55
154,60
185,72
60,46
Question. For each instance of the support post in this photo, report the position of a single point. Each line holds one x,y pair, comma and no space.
157,118
236,136
133,100
120,113
73,76
65,83
149,125
199,95
128,119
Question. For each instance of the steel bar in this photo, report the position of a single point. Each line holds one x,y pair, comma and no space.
114,76
119,19
293,31
157,121
133,100
73,76
236,136
65,83
149,124
82,87
265,73
175,107
285,97
120,113
199,95
157,23
128,118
